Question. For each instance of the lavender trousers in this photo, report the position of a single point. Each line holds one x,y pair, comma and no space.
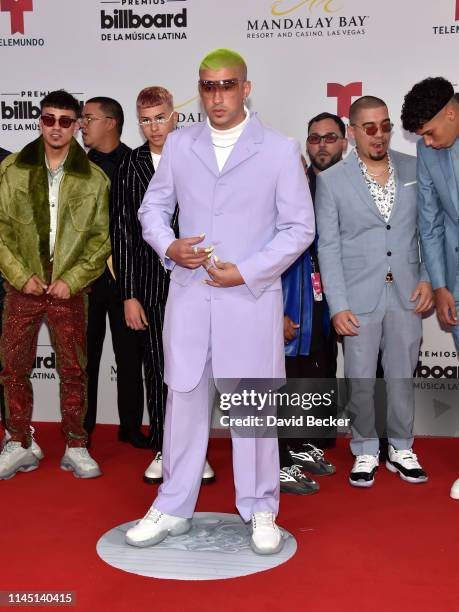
186,436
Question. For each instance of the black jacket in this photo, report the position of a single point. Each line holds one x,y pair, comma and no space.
138,270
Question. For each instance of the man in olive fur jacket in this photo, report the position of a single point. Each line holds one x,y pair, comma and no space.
54,242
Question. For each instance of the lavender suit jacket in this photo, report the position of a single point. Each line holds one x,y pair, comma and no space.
258,214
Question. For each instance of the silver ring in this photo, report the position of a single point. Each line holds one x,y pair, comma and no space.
195,250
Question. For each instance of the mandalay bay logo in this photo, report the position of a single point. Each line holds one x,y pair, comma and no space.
307,19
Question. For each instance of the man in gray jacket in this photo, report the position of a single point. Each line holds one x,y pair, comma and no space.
375,285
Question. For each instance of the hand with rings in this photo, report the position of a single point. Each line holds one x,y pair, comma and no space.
186,253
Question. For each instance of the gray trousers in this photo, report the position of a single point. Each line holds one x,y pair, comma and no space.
397,332
186,435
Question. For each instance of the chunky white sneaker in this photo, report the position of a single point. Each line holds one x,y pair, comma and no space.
155,527
39,454
363,471
14,458
79,461
154,472
208,475
455,489
266,536
406,464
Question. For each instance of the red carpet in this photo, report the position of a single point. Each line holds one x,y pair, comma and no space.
393,547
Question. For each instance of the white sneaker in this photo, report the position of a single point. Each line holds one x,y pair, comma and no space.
266,536
208,475
406,463
155,527
455,489
79,461
14,458
364,470
39,454
154,472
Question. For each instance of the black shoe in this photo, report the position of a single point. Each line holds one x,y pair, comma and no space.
136,438
312,460
292,480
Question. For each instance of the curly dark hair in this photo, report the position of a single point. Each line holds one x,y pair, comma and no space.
424,101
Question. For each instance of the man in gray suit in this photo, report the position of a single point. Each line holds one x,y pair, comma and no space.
431,110
375,285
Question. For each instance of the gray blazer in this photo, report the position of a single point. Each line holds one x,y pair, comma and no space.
356,246
438,209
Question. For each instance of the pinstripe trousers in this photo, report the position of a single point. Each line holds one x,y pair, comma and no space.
154,374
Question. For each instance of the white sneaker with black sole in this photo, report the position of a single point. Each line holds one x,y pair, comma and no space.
406,463
364,470
14,458
154,472
155,527
39,454
266,536
79,461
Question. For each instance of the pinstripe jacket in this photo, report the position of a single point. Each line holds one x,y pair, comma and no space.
138,270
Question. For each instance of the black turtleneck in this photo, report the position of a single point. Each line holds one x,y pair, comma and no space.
109,161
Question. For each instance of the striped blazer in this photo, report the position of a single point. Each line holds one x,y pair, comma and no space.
138,270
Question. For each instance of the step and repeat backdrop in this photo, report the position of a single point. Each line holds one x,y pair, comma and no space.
304,57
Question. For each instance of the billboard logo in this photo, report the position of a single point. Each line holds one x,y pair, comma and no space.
16,8
344,95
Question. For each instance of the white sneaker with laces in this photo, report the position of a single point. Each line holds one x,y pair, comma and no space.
79,461
266,536
155,527
455,489
39,454
14,458
406,463
363,471
154,472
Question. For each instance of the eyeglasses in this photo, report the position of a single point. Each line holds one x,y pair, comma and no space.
329,138
87,119
226,85
64,122
371,129
155,121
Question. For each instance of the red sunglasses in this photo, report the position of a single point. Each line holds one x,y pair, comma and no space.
64,122
372,128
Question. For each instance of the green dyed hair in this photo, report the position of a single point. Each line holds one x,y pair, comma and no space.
224,58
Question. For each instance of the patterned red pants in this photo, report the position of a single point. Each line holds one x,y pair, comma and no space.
22,318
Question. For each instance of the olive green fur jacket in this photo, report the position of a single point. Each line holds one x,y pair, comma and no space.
82,236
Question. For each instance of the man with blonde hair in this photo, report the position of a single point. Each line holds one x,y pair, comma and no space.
142,280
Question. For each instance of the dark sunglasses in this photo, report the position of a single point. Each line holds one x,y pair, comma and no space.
329,138
212,86
372,129
64,122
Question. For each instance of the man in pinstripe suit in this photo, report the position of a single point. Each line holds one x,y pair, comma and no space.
142,279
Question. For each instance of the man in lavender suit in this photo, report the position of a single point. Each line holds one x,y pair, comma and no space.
243,198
